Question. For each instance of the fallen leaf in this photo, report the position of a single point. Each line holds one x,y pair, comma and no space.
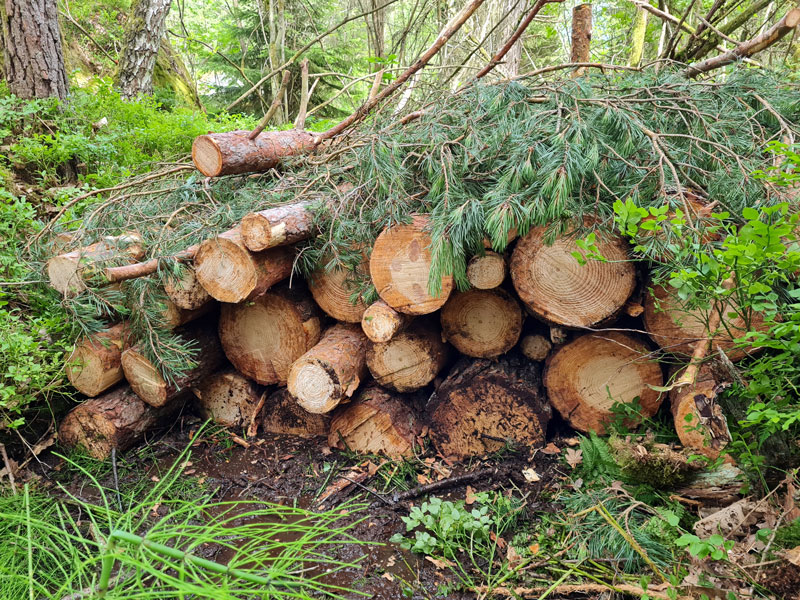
530,475
573,457
513,557
391,562
573,441
442,563
551,448
422,479
471,497
577,484
534,548
388,576
793,556
326,451
501,543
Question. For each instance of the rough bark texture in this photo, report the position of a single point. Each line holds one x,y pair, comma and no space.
331,371
34,59
486,272
228,398
186,291
482,323
637,37
170,72
535,347
587,376
332,291
377,422
699,421
281,414
95,363
380,322
143,33
264,337
277,226
400,265
217,154
581,35
116,420
410,360
561,291
483,404
229,272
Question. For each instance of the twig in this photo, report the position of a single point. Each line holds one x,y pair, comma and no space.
300,121
9,470
583,588
72,20
376,84
276,102
444,483
116,476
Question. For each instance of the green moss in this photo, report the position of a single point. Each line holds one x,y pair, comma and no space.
645,462
788,536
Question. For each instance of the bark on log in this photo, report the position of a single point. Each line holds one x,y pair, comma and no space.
484,404
482,323
145,378
535,347
95,363
410,360
377,422
278,226
264,337
116,420
228,398
283,415
67,272
381,322
561,291
233,152
331,371
332,291
400,266
581,36
699,421
587,376
486,272
144,31
186,291
174,316
677,329
229,272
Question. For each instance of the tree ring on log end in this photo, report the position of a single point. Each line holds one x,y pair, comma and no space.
225,270
315,388
207,156
482,323
144,378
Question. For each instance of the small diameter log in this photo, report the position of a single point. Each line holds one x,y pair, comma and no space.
486,272
380,322
699,421
283,415
331,371
174,316
228,398
410,360
482,323
145,378
96,362
400,266
264,337
484,404
535,347
588,375
581,35
67,272
186,291
116,420
217,154
229,272
278,226
561,291
677,329
377,422
332,291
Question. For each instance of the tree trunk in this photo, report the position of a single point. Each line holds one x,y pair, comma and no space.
375,22
282,415
332,290
217,154
264,337
116,420
482,323
588,375
410,360
331,371
186,291
277,226
561,291
378,422
699,420
400,266
34,59
484,404
171,72
228,398
143,34
145,378
535,347
381,322
95,363
581,35
231,273
486,272
638,37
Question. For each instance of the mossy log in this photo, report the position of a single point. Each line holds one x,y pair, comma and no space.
482,323
228,398
96,362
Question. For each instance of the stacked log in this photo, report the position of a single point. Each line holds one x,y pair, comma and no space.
96,362
410,360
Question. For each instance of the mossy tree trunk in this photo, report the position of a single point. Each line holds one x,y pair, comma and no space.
143,34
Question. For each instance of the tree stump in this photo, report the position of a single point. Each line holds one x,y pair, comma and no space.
186,291
482,323
486,272
278,226
484,404
228,398
96,362
585,377
283,415
380,322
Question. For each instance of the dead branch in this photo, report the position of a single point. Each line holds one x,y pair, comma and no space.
276,102
300,121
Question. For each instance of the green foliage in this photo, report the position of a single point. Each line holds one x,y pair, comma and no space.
716,547
788,536
598,461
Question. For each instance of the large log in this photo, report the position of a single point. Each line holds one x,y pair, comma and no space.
585,377
146,380
377,422
116,420
482,323
278,226
233,152
185,291
331,371
229,272
264,337
228,398
487,271
332,291
380,322
67,272
699,421
96,362
410,360
484,404
561,291
400,266
282,414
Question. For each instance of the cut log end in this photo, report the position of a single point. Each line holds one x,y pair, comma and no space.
332,292
225,269
380,322
228,398
144,378
207,156
186,292
410,360
535,347
282,415
486,272
482,323
259,234
95,364
315,388
699,421
64,273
